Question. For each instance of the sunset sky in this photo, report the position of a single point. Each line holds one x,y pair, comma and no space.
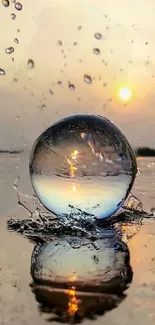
59,36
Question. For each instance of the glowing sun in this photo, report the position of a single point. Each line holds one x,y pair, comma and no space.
125,93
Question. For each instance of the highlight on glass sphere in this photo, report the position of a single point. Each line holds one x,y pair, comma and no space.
82,162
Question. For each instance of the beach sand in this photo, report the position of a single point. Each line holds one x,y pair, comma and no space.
17,303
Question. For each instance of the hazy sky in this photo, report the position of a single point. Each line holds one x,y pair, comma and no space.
127,58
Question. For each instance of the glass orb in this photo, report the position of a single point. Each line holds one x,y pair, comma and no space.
82,162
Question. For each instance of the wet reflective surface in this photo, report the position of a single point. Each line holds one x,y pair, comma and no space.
17,301
81,157
80,271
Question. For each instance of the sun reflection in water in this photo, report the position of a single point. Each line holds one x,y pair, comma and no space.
72,163
73,301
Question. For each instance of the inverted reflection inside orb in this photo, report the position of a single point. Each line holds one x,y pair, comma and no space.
85,162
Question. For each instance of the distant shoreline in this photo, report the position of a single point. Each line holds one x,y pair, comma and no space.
145,152
11,152
140,152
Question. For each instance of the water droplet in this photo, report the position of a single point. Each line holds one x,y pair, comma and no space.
51,92
9,50
5,3
2,72
18,30
16,40
79,28
13,1
71,86
105,84
98,36
87,79
13,16
43,106
146,43
60,43
30,63
18,6
81,157
75,43
96,51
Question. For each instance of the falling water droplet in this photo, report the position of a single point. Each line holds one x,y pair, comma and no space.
5,3
30,63
51,92
87,79
13,16
43,106
96,51
59,43
98,36
18,6
2,72
16,40
9,50
71,86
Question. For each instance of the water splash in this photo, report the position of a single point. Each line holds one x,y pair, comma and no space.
90,284
42,225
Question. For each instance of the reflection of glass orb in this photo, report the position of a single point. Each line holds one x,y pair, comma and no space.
96,266
82,162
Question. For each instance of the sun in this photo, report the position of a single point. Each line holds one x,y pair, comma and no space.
125,93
